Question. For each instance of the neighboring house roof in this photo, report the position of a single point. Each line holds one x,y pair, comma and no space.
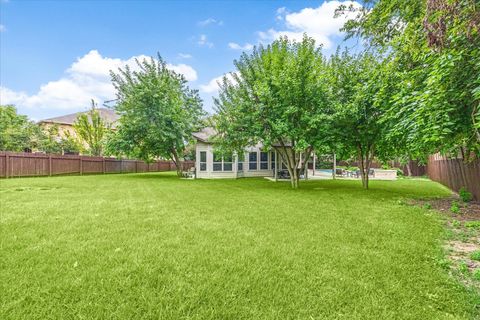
109,116
205,134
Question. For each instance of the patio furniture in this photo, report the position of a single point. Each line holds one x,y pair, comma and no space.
190,174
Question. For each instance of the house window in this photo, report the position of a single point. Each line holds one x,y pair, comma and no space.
222,163
241,159
227,162
252,161
264,160
203,160
272,160
217,161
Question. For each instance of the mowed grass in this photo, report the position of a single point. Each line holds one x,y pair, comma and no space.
151,246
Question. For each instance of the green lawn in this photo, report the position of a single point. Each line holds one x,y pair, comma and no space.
151,246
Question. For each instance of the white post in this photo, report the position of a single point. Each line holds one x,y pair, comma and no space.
314,155
276,165
334,165
235,163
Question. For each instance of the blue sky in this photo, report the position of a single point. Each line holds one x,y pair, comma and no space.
55,55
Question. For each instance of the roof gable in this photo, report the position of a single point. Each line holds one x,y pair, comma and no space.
108,115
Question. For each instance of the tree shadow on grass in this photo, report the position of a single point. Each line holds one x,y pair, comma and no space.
381,189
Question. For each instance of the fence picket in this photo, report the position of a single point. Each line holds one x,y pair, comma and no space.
33,164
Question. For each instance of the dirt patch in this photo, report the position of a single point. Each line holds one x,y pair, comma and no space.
463,237
466,210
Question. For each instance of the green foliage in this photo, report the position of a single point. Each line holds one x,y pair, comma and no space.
158,112
454,208
434,47
465,195
91,128
360,88
463,267
52,142
456,224
476,274
427,206
472,225
276,96
475,255
17,133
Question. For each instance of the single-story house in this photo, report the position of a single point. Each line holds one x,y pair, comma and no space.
255,162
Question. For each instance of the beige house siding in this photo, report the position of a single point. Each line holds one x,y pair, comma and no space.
209,173
62,129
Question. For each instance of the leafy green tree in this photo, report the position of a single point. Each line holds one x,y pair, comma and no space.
276,96
159,112
17,133
91,129
435,46
52,142
360,93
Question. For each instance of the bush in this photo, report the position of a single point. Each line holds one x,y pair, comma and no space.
455,208
465,195
463,267
472,224
476,274
475,255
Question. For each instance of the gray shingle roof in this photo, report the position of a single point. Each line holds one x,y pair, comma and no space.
205,134
107,115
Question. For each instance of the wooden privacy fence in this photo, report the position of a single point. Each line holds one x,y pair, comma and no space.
455,173
19,164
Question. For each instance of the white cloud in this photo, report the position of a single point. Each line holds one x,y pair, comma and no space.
203,41
281,13
87,78
185,56
213,85
2,28
210,21
236,46
188,72
318,23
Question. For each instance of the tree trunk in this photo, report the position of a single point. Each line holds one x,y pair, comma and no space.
409,169
364,161
289,158
176,160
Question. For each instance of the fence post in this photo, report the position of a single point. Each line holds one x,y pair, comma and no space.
136,166
7,160
81,165
49,165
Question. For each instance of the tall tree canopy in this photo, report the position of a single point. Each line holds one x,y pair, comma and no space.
276,96
435,46
158,112
92,130
17,132
361,88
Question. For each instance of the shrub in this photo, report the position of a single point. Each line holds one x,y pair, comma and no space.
476,274
463,267
465,195
455,208
456,223
472,224
427,206
475,256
